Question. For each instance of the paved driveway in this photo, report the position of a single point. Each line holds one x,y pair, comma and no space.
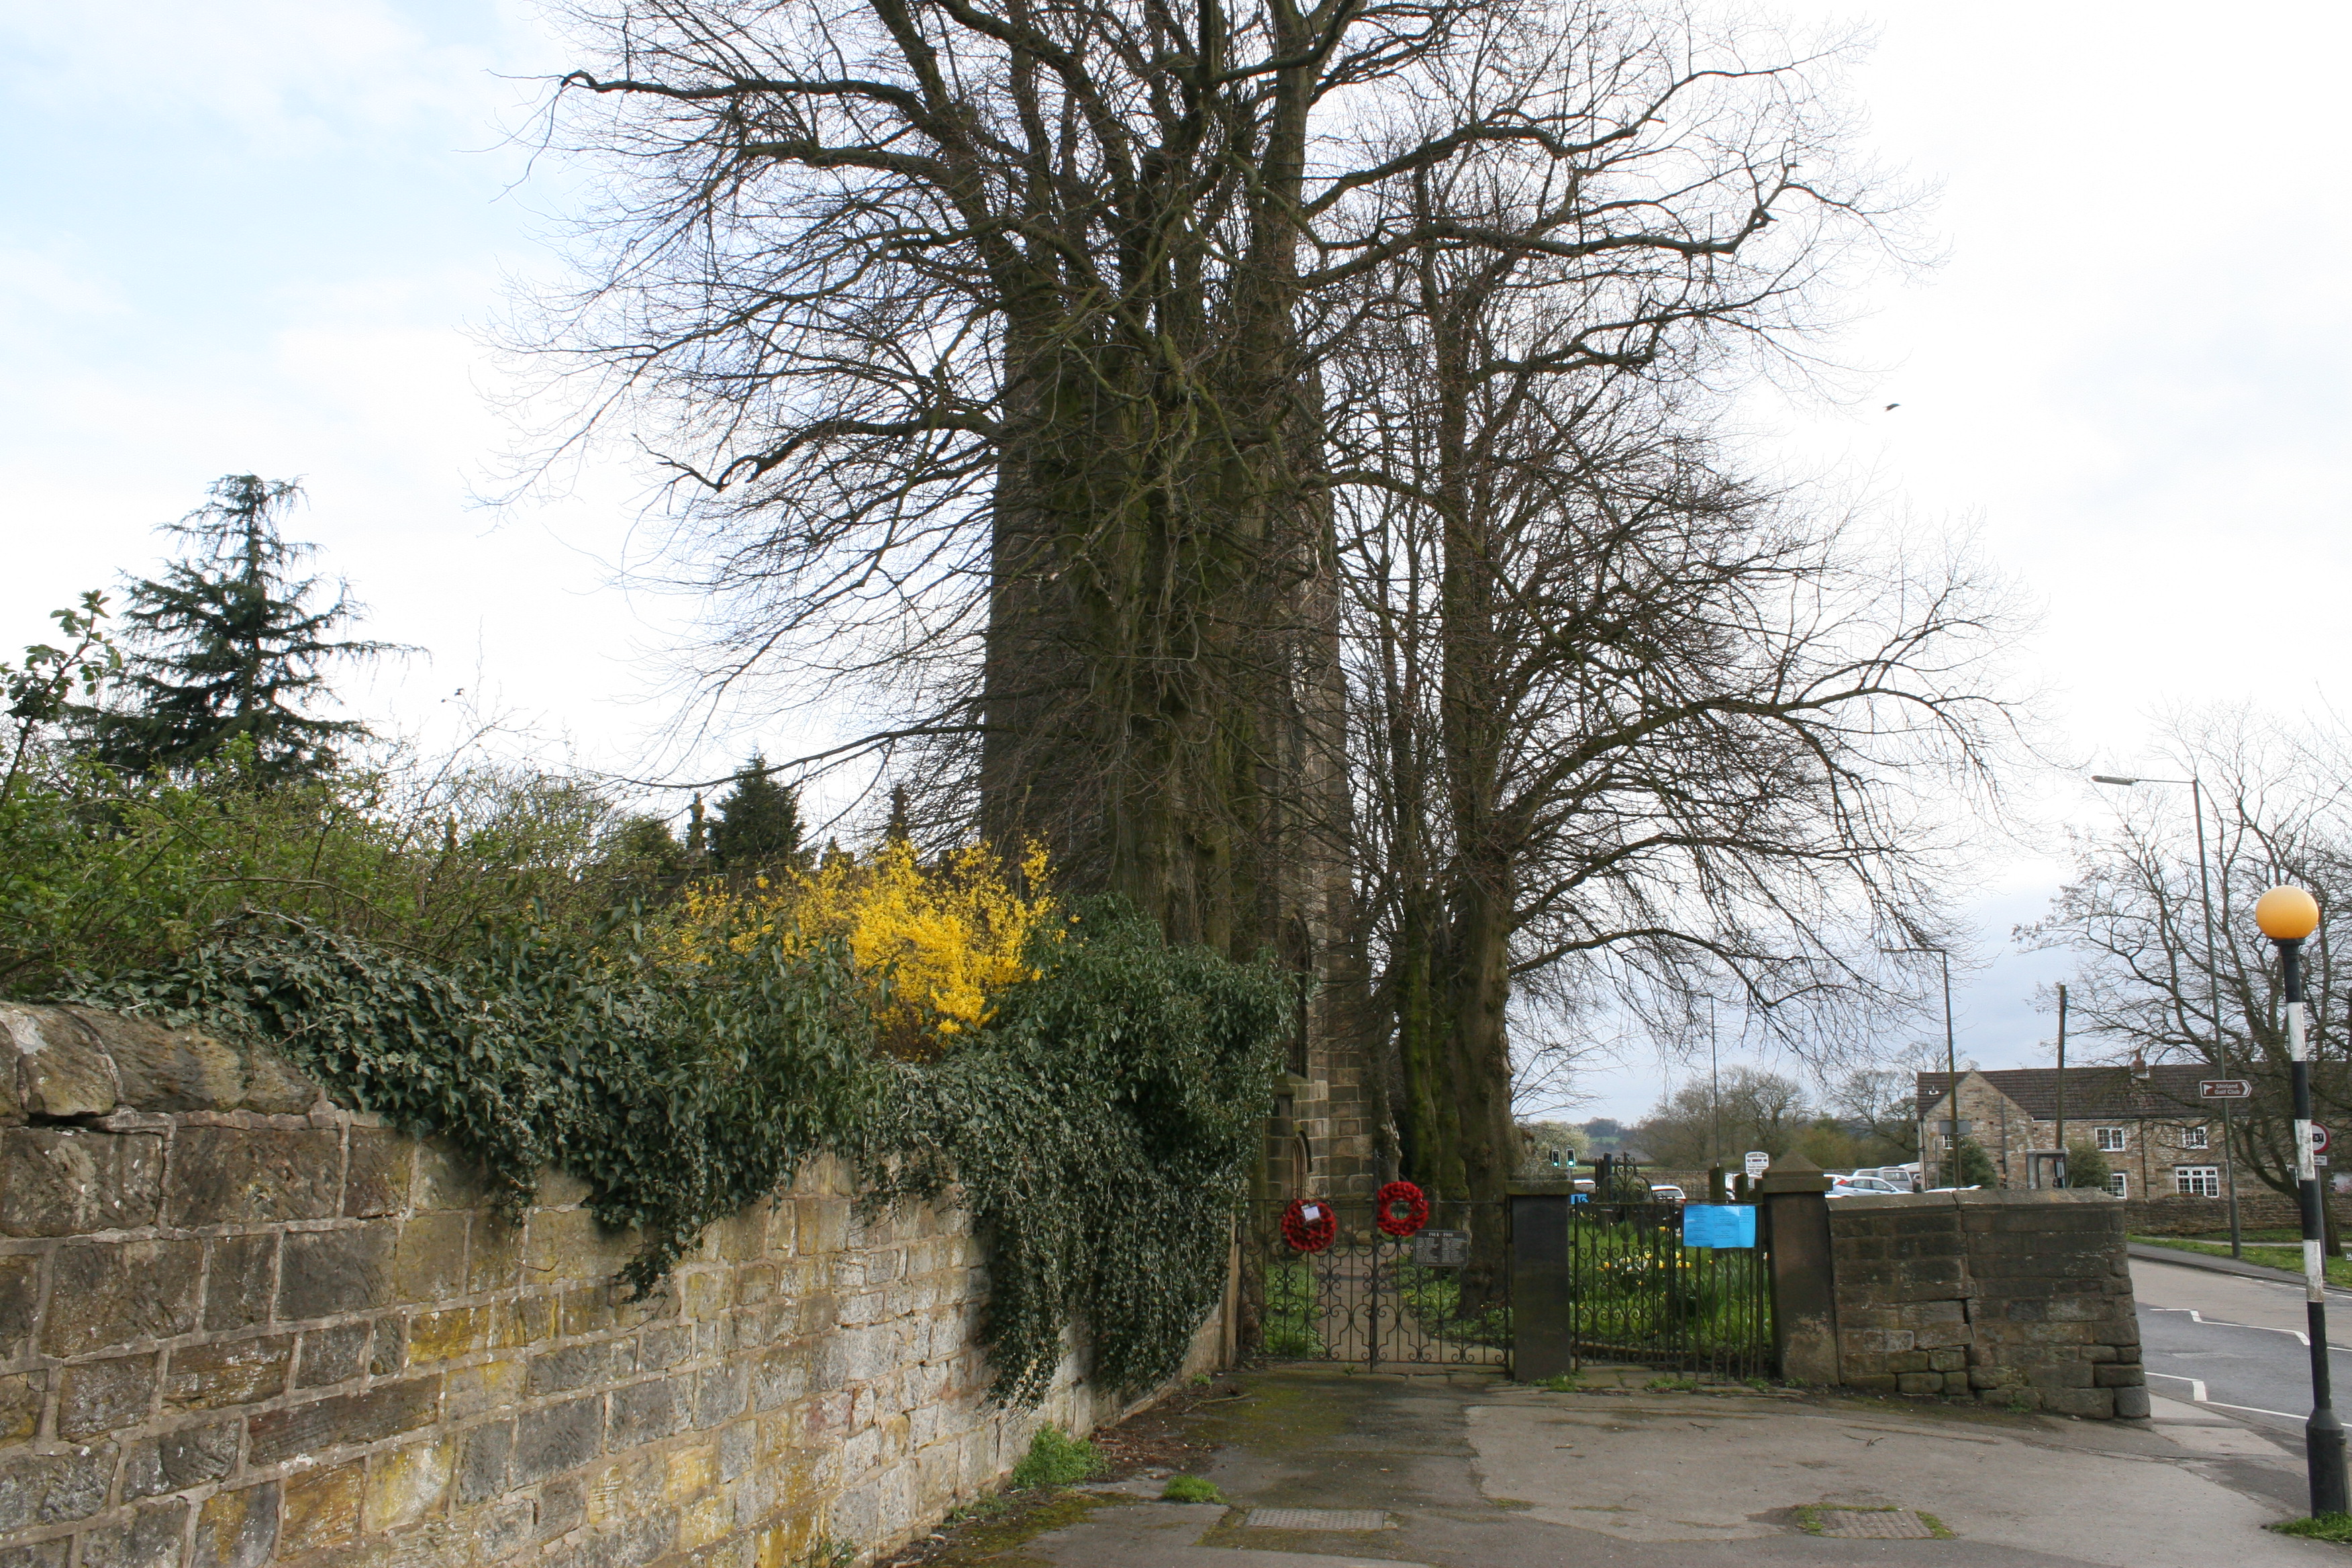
1474,1473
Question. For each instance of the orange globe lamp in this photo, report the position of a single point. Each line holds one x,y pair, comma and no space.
2286,914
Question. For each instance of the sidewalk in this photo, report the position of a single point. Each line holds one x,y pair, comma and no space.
1470,1472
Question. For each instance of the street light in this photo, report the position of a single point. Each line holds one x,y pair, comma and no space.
2287,915
2212,982
1951,1066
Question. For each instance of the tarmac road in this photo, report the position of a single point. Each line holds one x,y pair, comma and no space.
2236,1344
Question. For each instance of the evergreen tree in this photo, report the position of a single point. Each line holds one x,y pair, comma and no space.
1976,1168
644,858
2086,1167
759,823
231,644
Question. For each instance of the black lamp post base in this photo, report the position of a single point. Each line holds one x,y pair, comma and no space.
2323,1450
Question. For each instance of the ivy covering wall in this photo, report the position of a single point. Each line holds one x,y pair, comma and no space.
1097,1124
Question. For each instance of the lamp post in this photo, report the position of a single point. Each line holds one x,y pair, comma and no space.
2287,915
1714,1092
2212,985
1951,1066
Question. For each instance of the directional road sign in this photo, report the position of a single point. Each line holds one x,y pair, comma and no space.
2225,1089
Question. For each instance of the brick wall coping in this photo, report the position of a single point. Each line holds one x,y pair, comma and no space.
65,1062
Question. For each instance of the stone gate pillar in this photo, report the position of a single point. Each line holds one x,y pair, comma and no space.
1794,1209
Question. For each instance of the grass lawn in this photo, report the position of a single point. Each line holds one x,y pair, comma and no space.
2271,1255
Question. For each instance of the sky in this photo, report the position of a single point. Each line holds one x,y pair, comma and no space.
275,236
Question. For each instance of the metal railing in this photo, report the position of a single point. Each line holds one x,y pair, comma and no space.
1639,1295
1440,1297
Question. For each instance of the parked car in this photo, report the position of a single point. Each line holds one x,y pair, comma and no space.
1667,1193
1903,1178
1848,1186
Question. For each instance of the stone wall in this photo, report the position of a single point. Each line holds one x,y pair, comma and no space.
2259,1208
241,1325
2017,1299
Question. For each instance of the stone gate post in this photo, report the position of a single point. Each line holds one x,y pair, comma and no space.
1795,1214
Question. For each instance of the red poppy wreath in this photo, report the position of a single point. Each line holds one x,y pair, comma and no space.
1309,1224
1402,1208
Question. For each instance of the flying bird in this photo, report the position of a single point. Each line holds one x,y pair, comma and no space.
1892,406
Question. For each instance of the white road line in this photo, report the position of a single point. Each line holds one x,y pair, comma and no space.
2257,1410
2197,1317
2196,1395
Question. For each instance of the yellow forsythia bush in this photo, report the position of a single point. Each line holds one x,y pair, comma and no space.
936,941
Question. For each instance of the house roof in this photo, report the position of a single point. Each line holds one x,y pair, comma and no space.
2092,1093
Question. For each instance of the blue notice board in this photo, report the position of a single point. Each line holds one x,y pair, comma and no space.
1719,1225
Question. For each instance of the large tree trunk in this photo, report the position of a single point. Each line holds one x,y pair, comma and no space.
1161,618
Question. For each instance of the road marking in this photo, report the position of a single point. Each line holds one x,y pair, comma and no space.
2196,1395
2257,1410
2197,1317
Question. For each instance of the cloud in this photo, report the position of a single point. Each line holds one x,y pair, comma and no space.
41,291
284,78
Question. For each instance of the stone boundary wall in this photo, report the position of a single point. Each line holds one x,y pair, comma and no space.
2017,1299
242,1325
2259,1208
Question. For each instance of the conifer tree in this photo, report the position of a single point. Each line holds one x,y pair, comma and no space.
231,644
758,824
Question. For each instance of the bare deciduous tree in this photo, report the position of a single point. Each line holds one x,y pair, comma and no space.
988,338
1108,386
2280,810
1705,1123
1633,728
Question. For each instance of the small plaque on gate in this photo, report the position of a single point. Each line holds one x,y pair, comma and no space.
1441,1248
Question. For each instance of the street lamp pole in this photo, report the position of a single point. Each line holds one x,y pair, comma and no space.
2286,916
1951,1075
2213,988
1713,1093
1951,1068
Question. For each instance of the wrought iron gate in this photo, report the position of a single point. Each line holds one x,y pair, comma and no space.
1440,1297
1638,1294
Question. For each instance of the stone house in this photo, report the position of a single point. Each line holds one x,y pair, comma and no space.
2158,1138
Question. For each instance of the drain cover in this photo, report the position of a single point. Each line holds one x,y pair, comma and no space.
1875,1524
1315,1519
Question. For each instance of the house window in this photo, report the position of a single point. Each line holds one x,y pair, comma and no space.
2193,1138
2110,1139
2197,1181
2119,1184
